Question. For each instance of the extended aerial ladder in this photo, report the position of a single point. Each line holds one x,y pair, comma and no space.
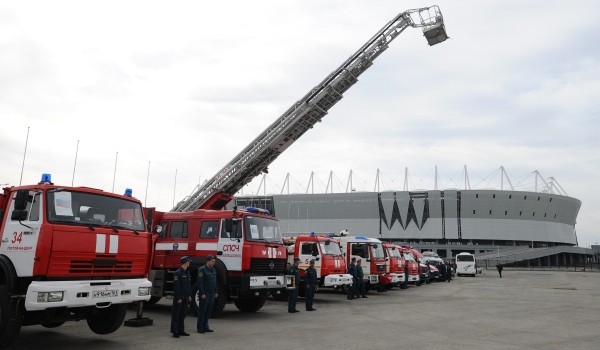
304,114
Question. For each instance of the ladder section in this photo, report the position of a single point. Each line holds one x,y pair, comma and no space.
305,113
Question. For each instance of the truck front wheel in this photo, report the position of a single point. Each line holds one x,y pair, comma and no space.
251,304
10,322
107,320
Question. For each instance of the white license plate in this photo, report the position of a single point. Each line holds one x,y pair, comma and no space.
105,293
271,282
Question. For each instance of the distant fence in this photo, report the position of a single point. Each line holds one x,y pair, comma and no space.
490,264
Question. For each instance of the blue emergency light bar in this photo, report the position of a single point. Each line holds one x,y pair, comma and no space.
257,210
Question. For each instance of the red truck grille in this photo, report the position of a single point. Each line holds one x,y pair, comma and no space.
100,266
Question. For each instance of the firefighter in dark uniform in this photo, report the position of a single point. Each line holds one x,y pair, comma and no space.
310,276
352,271
182,296
360,290
207,292
293,270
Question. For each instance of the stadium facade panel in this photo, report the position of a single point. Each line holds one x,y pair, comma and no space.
431,215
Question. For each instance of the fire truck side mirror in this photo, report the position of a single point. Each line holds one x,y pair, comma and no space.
158,229
18,215
21,199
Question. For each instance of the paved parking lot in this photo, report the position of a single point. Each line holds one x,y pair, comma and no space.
522,310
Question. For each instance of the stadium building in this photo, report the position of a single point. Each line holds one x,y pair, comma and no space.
501,226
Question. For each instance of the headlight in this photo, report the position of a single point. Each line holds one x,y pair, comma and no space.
49,297
143,291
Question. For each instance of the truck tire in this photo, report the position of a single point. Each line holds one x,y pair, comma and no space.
52,324
153,300
10,324
251,304
221,300
107,320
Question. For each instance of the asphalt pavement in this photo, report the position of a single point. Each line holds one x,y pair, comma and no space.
522,310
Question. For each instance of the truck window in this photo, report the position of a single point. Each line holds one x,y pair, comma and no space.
34,214
178,229
209,229
360,249
308,248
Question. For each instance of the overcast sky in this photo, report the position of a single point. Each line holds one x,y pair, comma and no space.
180,88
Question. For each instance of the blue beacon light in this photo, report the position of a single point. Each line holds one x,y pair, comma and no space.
128,192
46,178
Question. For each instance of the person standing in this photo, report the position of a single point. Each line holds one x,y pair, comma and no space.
361,282
443,271
406,271
182,296
499,268
352,271
448,272
207,292
310,276
293,270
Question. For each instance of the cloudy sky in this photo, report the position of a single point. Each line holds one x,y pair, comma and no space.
177,89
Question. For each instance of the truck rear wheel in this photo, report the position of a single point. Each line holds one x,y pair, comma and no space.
10,323
107,320
251,304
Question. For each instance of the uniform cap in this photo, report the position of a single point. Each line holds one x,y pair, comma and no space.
184,259
312,261
210,257
296,259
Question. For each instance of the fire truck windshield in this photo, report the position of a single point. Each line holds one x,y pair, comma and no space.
330,249
394,252
262,229
80,208
409,257
377,250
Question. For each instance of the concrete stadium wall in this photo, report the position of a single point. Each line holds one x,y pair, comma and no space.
484,214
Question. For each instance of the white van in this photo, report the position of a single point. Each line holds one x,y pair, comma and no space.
465,264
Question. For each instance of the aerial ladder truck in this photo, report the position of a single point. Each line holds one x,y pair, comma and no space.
251,258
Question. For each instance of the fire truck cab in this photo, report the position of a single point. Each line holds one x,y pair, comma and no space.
370,251
70,254
394,267
329,261
251,258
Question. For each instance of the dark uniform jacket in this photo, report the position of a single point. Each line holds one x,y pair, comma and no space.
294,271
352,270
182,288
359,272
207,280
310,275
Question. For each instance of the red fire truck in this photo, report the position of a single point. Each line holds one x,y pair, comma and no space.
251,258
70,254
370,251
413,265
329,261
394,267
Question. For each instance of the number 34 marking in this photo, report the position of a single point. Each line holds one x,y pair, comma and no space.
17,237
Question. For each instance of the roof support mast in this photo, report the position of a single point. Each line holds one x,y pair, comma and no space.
304,114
